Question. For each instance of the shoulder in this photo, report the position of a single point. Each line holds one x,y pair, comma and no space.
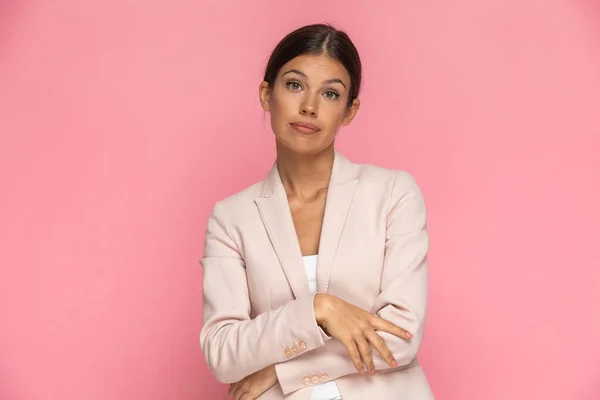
400,195
389,179
230,206
396,188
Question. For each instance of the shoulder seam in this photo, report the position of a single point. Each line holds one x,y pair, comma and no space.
391,193
226,224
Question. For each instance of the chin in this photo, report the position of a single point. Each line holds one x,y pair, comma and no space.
302,146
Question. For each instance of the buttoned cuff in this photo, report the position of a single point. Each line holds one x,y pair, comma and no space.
303,333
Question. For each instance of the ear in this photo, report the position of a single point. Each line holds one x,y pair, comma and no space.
264,94
351,112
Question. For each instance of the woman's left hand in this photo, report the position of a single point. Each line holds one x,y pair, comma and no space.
254,385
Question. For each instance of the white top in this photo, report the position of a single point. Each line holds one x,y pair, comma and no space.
327,390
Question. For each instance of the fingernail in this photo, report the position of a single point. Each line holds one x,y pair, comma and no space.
394,364
409,335
362,372
373,372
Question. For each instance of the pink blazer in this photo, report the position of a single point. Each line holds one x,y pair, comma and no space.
257,308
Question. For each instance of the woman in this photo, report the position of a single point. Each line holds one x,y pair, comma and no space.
310,270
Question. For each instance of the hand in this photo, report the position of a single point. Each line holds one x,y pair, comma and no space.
253,385
355,329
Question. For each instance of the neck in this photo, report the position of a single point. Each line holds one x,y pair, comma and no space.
304,175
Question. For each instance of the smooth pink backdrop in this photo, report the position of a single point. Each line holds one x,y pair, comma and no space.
122,122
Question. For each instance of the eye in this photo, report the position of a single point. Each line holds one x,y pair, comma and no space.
293,85
331,95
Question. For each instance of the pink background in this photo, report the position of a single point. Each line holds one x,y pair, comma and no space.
122,122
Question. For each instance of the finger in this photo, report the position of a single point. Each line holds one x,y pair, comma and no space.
232,388
379,344
365,353
247,396
389,327
350,345
239,392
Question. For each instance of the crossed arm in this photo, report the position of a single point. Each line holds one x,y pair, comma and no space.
236,346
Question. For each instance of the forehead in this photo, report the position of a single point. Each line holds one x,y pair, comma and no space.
319,67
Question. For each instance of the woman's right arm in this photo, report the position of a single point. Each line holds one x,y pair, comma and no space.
234,345
401,302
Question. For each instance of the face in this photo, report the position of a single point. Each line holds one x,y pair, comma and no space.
308,102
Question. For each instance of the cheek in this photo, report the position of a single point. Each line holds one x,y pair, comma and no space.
333,115
282,107
280,116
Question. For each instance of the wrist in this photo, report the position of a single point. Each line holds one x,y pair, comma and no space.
319,304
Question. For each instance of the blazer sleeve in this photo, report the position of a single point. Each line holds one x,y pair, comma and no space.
233,344
403,297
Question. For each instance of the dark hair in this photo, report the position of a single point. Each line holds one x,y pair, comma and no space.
317,39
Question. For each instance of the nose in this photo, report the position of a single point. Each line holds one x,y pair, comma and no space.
308,109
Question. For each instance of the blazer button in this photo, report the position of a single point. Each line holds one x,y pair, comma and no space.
306,380
302,345
287,352
315,379
324,378
295,349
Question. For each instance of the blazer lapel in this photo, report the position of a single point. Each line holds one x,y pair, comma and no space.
340,194
276,216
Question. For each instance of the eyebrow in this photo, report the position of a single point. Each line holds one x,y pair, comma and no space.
334,80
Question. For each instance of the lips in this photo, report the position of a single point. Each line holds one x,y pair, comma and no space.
305,127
